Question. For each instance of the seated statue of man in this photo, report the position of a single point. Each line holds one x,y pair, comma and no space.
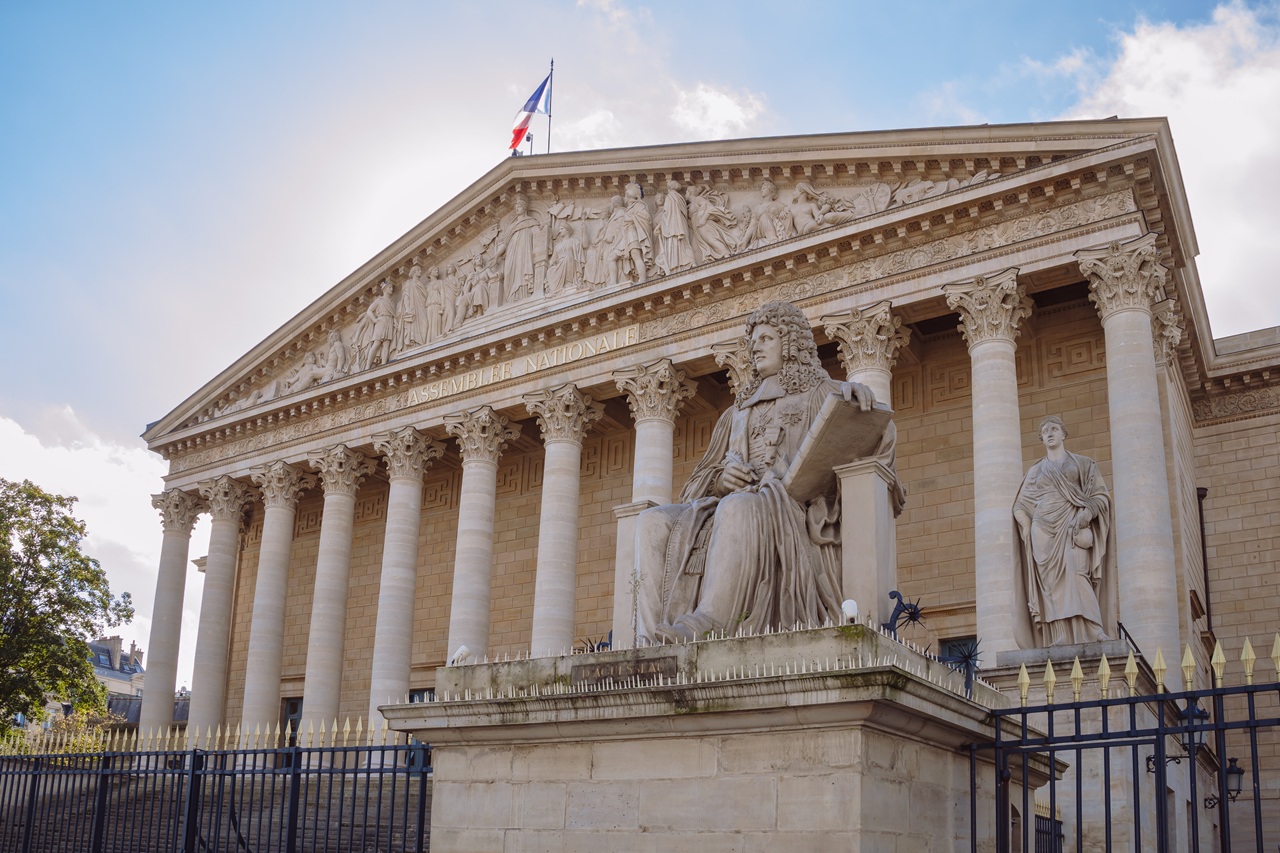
739,552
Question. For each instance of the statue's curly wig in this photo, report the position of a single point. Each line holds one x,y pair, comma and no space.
801,367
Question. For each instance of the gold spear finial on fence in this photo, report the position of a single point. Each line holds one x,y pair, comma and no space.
311,732
1275,655
1219,663
1159,668
1131,674
1104,677
1077,679
1248,658
1050,680
346,730
1188,669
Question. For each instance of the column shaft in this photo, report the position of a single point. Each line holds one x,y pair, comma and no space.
266,630
473,559
652,471
1146,573
326,641
393,637
997,473
166,631
209,681
555,587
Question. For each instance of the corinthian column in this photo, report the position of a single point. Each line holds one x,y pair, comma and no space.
281,483
564,414
990,311
1124,282
178,512
408,452
341,470
656,392
869,341
226,498
482,434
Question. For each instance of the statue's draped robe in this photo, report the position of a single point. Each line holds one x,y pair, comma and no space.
778,561
1063,580
517,259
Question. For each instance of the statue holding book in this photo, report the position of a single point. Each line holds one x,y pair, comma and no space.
755,542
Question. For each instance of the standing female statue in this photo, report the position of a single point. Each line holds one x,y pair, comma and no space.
1063,511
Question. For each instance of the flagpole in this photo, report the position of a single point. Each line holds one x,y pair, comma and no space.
551,79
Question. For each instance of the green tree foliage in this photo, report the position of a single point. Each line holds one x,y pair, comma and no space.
53,599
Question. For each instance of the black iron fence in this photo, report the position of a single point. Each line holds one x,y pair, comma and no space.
1192,770
335,799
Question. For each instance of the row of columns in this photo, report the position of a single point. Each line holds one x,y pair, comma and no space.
1124,282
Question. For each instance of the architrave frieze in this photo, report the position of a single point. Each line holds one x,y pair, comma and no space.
1015,179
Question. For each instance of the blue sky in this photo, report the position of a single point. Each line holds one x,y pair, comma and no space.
180,179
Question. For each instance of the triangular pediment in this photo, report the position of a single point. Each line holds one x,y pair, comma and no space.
544,233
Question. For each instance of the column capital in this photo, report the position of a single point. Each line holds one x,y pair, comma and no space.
482,433
341,468
1168,327
655,391
226,497
869,338
178,510
991,307
734,355
1124,276
408,452
281,483
563,413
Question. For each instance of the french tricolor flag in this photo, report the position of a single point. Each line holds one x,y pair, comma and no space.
539,102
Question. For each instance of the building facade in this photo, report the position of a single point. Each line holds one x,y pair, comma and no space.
442,457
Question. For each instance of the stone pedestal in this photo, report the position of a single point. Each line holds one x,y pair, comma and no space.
833,739
869,552
624,568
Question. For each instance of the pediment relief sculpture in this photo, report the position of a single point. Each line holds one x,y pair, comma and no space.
562,247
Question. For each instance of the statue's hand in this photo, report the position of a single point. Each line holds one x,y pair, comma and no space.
1083,517
856,392
734,477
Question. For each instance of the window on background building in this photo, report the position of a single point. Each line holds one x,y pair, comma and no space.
422,694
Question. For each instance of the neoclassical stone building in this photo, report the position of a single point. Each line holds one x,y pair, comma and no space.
448,448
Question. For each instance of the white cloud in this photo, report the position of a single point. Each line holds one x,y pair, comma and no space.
599,128
712,112
124,531
1219,85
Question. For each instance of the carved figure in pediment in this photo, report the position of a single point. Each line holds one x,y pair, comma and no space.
413,322
375,330
633,251
310,372
675,251
516,248
772,220
336,358
817,209
920,188
451,293
746,225
565,270
711,223
600,269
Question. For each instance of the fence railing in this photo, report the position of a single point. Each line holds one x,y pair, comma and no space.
1188,770
334,798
